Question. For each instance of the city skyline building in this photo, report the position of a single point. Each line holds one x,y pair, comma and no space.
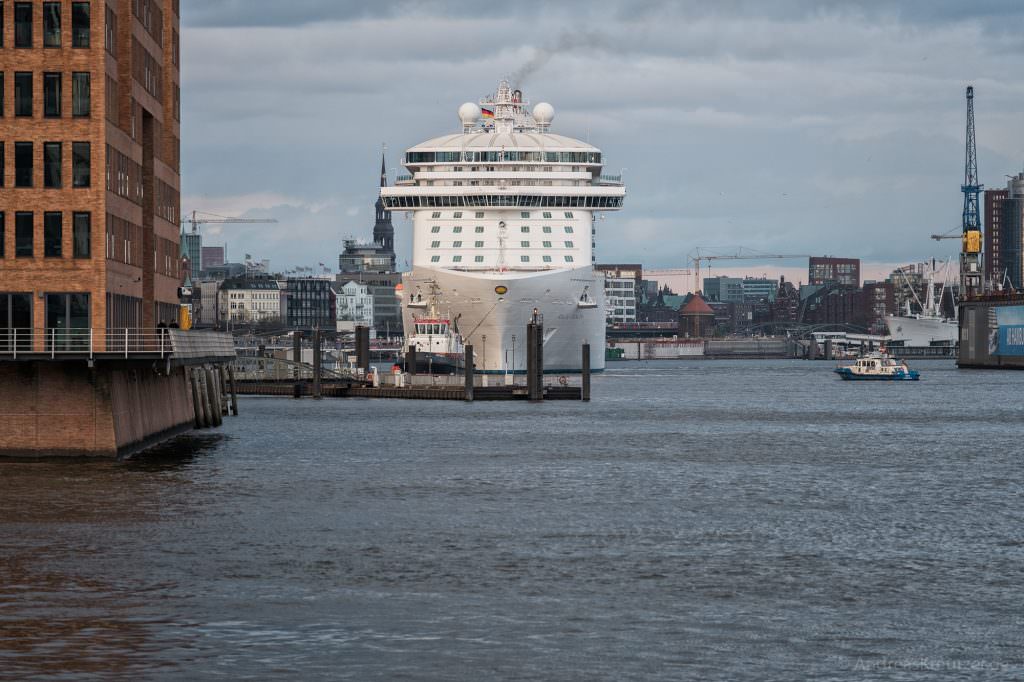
89,180
993,238
843,271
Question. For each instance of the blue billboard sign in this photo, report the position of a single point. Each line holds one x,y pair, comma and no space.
1010,321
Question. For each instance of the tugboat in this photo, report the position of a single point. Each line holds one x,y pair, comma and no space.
877,366
438,343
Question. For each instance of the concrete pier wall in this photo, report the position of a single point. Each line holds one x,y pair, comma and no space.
67,409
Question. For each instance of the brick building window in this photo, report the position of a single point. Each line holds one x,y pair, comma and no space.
79,24
3,164
22,93
82,235
51,24
81,175
1,72
23,24
22,164
51,95
3,233
110,34
23,234
53,157
53,234
81,93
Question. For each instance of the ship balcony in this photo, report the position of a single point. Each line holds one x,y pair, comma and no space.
609,181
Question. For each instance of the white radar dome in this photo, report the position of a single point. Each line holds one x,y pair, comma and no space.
469,113
543,113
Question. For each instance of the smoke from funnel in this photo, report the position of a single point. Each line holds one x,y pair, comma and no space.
566,42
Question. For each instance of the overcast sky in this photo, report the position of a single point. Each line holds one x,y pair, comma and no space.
784,126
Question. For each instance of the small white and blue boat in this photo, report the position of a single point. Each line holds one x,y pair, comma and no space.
877,366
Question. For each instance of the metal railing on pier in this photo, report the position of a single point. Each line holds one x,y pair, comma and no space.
56,342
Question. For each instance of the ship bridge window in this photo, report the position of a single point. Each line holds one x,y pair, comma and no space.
546,229
435,259
435,229
568,229
479,214
547,259
478,245
434,245
435,214
456,259
479,229
524,214
524,244
547,245
525,229
478,259
568,245
524,259
547,214
457,214
568,259
457,229
568,214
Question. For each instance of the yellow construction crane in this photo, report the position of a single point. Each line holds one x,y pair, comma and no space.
740,253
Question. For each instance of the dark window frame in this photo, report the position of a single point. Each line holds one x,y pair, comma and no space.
3,226
23,239
20,169
23,102
81,244
78,178
77,98
23,29
48,33
53,234
49,78
78,38
53,170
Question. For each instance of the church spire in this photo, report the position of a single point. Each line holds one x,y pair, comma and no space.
383,229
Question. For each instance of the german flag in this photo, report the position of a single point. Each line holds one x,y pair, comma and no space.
487,113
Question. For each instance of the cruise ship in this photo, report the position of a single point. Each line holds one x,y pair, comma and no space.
503,216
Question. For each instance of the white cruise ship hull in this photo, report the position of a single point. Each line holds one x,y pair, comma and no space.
495,323
922,331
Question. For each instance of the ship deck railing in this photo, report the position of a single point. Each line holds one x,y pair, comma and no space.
56,343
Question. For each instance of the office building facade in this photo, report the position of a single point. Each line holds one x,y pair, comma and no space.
89,164
843,271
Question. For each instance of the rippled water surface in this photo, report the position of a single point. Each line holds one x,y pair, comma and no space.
697,520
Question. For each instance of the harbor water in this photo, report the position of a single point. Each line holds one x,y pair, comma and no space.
713,520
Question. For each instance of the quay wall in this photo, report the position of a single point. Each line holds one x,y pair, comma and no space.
990,333
67,409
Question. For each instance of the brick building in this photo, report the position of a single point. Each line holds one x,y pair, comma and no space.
843,271
89,164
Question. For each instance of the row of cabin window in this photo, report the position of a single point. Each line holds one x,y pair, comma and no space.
53,234
522,214
479,229
53,164
53,91
480,259
52,23
480,244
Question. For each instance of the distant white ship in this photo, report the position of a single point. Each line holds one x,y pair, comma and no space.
503,225
927,328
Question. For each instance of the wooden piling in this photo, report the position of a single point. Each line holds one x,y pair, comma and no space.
535,361
297,353
216,419
585,372
204,395
469,371
828,349
197,401
316,364
363,348
234,393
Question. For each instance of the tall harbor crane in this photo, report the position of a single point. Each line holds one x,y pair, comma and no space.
970,256
741,253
